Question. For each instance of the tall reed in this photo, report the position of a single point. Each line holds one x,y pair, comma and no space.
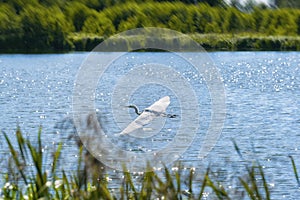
27,181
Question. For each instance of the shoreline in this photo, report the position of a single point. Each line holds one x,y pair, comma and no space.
210,42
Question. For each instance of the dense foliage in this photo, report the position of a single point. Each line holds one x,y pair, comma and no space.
55,25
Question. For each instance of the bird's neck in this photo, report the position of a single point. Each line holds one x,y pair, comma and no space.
137,110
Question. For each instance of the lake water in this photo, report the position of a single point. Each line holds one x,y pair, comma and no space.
262,108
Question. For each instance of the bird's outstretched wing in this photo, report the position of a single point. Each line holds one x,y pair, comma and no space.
160,106
157,109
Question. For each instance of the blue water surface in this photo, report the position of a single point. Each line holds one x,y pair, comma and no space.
262,108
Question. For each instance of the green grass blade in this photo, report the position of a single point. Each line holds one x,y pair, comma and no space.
147,186
247,188
66,183
295,170
37,163
254,182
264,183
178,181
40,147
55,158
129,181
104,192
191,176
237,149
122,193
16,159
220,192
160,188
21,143
169,181
81,175
204,183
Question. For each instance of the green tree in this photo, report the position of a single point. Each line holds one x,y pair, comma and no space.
279,22
298,23
234,21
258,17
9,21
203,18
44,28
180,18
209,2
287,3
120,13
176,24
215,26
129,23
99,25
214,2
48,3
10,31
158,13
78,13
18,5
249,22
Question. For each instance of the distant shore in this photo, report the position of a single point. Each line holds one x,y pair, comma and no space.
214,42
66,26
210,42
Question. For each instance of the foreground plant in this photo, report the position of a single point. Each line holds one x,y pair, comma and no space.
36,178
34,182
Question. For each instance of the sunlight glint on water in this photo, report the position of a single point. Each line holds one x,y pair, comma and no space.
262,99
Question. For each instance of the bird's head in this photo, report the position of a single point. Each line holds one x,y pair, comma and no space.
130,106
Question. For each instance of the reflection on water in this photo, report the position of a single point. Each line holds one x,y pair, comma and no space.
262,100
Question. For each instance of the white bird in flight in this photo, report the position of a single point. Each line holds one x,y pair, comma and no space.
157,109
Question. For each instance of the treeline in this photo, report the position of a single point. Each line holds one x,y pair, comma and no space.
55,25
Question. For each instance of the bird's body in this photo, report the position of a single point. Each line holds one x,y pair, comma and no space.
162,114
157,109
